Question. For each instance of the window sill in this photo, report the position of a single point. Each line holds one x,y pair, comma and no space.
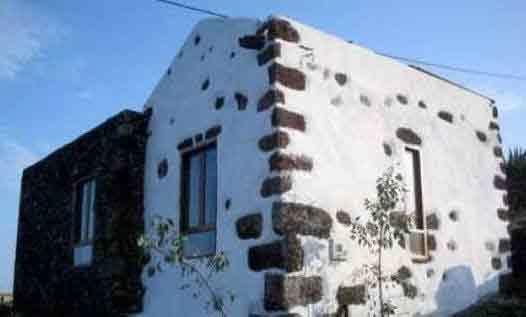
421,259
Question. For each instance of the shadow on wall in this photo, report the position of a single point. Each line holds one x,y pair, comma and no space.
458,290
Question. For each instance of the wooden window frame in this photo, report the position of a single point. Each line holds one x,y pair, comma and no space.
185,227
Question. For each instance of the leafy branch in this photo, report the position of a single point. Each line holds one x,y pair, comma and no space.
378,234
165,246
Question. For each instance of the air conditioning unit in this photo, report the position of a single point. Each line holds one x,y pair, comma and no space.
337,251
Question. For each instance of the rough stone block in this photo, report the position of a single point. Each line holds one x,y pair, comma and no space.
446,116
353,295
286,254
286,76
343,217
281,29
270,99
287,119
273,51
284,292
291,218
249,227
287,162
276,140
408,136
276,185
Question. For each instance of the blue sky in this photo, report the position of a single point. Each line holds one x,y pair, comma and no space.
65,66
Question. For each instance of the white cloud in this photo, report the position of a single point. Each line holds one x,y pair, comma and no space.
14,157
25,33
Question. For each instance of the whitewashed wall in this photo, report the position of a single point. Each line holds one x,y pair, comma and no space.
241,168
344,138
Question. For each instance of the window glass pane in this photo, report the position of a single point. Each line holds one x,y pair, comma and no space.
198,244
211,186
77,221
195,189
91,222
409,181
85,213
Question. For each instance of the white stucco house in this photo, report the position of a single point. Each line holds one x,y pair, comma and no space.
265,137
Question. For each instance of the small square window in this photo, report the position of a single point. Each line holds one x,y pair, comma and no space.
199,201
84,222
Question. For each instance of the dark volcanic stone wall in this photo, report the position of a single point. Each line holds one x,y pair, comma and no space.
46,281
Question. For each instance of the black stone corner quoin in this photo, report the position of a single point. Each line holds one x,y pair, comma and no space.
113,154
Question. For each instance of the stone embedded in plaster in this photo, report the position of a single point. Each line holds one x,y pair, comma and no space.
408,136
249,226
197,39
453,215
401,242
352,295
273,51
220,102
284,292
172,121
340,78
242,101
499,138
504,245
205,84
276,140
337,101
422,104
402,99
432,221
287,162
286,254
270,99
497,150
162,168
387,149
503,214
431,242
213,132
446,116
496,263
292,218
452,245
168,71
499,182
343,218
281,29
232,55
495,112
276,185
252,42
481,136
286,76
228,203
364,100
494,125
502,167
288,119
185,144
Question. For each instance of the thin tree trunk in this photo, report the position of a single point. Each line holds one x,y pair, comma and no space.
380,291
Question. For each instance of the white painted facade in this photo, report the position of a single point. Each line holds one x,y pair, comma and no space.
345,140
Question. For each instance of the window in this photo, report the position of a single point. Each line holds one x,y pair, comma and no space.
84,222
199,200
414,201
